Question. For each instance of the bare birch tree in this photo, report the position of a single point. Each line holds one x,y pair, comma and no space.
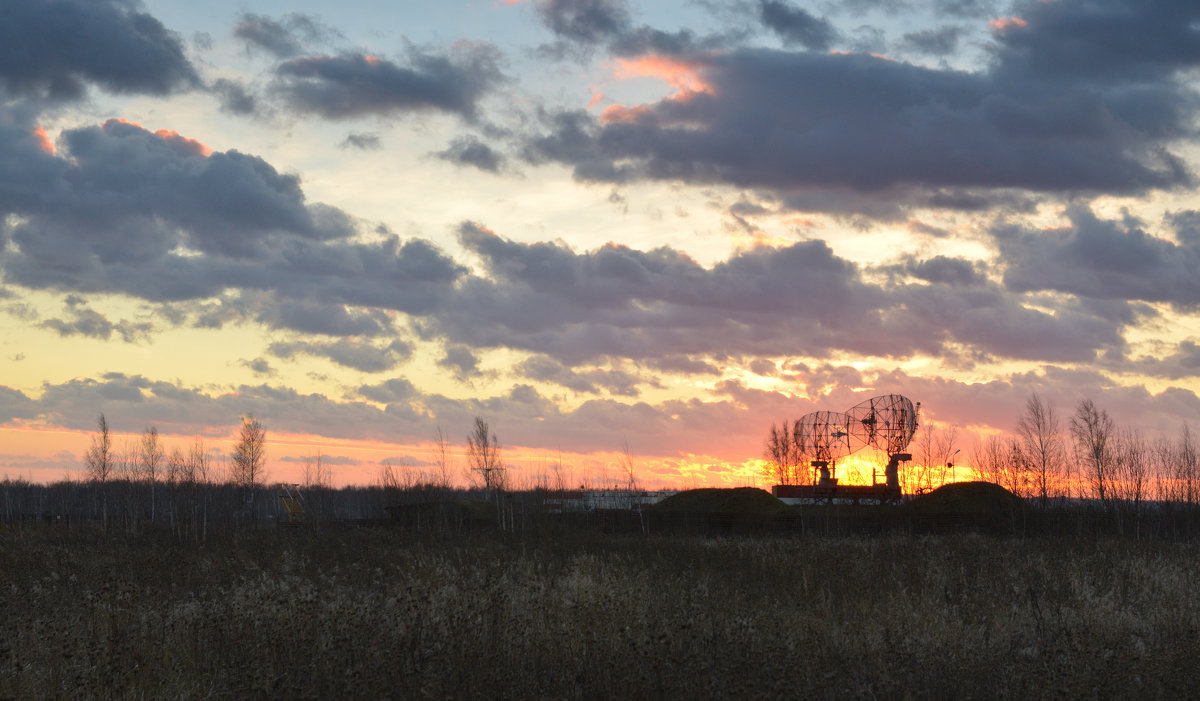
1093,430
249,457
1187,467
441,456
483,456
1040,435
99,457
150,459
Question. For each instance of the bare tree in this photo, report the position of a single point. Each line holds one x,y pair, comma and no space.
441,456
934,448
1131,468
1040,435
782,454
99,457
150,456
99,461
249,457
317,472
1000,461
1093,430
483,456
1187,467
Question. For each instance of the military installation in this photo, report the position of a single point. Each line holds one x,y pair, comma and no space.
886,422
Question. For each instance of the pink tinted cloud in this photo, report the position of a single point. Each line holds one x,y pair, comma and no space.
179,143
43,140
681,74
1004,24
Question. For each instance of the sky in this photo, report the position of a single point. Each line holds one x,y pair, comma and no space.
607,227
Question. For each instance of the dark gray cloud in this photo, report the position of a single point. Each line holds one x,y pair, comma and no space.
615,302
968,9
14,404
1177,363
83,321
549,370
460,360
585,21
283,38
807,124
1137,43
362,141
259,366
470,151
121,209
1101,259
390,391
955,272
942,41
795,25
56,48
350,353
235,98
351,86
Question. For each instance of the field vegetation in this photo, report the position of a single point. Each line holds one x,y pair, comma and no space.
397,613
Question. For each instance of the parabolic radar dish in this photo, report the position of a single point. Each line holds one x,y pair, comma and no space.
886,422
824,435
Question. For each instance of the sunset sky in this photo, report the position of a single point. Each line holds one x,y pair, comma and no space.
595,223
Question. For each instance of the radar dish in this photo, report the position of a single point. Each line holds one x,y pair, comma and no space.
824,436
886,422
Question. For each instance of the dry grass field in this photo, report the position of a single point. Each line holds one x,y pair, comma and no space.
380,613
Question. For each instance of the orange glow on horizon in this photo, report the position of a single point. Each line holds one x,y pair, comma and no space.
596,99
372,60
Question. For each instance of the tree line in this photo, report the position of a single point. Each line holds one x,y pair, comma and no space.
1087,457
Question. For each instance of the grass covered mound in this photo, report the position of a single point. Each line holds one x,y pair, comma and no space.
740,500
978,498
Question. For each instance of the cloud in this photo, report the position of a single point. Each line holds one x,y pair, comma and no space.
259,366
361,141
806,125
160,217
942,41
796,25
461,361
390,391
235,98
470,151
1101,259
55,48
326,460
585,21
616,302
82,321
356,355
1136,43
283,38
549,370
352,86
